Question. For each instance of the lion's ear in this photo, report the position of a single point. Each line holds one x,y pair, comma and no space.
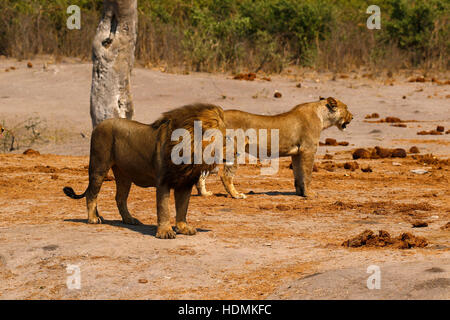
332,104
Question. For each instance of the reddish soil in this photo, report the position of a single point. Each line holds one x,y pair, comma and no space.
244,248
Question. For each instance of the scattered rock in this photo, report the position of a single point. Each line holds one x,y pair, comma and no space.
435,270
54,177
367,169
31,152
431,132
351,166
392,120
384,239
383,153
440,129
333,142
245,76
378,153
361,154
277,94
328,156
143,281
419,224
398,153
417,79
431,159
29,65
414,149
283,207
299,85
419,171
330,167
51,247
399,125
395,120
446,226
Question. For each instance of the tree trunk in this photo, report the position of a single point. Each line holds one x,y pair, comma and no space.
113,58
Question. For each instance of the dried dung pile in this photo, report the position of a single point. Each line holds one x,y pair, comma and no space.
383,239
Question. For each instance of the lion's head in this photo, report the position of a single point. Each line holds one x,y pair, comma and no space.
338,114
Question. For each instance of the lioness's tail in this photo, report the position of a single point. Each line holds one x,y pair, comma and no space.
71,194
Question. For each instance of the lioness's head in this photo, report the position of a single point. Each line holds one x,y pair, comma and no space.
338,113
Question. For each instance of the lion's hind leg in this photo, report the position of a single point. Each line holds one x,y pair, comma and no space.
95,183
227,180
123,185
182,196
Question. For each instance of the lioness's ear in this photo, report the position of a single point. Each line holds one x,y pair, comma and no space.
332,104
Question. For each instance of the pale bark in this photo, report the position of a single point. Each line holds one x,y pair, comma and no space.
113,59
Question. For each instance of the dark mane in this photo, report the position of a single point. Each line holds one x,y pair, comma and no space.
211,116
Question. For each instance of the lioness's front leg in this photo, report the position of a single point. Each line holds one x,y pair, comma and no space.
201,185
302,164
182,197
164,230
227,180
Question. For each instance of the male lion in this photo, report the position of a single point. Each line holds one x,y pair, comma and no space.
141,154
299,133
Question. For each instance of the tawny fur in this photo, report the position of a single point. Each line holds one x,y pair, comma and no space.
299,133
141,154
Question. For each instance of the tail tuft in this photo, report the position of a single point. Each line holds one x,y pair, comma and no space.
71,194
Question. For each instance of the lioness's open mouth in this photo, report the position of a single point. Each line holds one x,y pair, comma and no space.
344,125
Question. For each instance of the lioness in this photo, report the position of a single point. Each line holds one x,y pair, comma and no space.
299,133
141,154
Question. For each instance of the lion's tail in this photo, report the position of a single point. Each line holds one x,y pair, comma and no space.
71,194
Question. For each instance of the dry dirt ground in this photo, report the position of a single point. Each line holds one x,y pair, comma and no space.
271,245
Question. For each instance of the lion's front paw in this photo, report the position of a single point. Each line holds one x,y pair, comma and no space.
205,193
165,232
183,228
